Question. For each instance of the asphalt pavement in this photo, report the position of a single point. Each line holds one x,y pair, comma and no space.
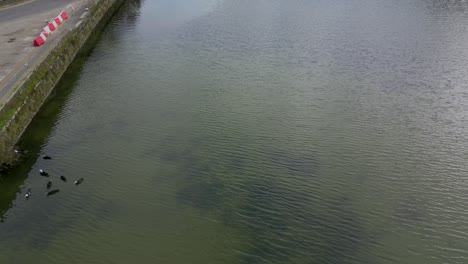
21,60
31,8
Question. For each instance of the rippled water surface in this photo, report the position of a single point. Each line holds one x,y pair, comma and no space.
253,131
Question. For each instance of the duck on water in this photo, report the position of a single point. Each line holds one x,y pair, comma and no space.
79,181
53,192
28,194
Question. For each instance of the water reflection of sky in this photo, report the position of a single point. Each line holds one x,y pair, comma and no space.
165,14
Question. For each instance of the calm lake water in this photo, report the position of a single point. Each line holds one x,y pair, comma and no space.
253,131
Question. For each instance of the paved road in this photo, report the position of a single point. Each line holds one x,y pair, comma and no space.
31,8
34,56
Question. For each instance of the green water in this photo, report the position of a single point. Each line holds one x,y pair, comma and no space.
235,131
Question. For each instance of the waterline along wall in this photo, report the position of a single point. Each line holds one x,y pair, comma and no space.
16,115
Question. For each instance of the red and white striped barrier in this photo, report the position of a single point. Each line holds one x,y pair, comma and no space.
41,39
47,29
53,25
57,21
63,15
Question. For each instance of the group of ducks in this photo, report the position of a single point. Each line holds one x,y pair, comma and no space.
49,183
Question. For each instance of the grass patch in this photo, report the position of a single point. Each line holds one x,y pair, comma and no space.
6,117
